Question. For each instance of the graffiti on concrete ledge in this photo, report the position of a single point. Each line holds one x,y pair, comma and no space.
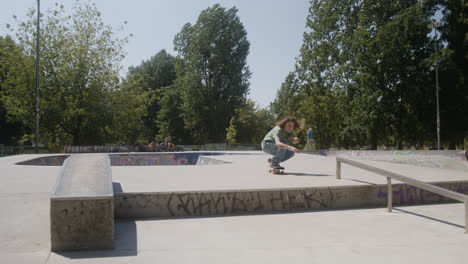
407,194
181,204
224,203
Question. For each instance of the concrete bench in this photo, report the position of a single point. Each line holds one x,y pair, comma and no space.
82,204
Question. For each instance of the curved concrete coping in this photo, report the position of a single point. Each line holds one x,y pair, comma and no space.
205,160
84,176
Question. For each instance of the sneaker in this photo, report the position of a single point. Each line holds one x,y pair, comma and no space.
276,167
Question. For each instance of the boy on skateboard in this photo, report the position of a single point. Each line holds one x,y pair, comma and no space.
276,141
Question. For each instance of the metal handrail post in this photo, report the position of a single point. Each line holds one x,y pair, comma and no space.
338,169
466,216
389,194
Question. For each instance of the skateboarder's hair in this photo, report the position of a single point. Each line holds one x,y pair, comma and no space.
298,123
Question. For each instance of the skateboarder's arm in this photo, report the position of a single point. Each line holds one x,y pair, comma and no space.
295,140
285,146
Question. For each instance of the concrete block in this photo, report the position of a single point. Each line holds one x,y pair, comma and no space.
82,224
82,209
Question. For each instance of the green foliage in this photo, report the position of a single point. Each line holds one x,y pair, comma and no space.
169,118
231,131
363,78
287,97
11,131
156,73
80,61
18,85
250,124
453,72
129,104
322,114
212,76
392,49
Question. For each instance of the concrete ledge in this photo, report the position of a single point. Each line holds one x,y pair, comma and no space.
206,203
82,210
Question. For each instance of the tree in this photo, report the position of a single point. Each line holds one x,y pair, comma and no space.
129,105
231,131
391,47
80,61
325,72
287,98
362,76
213,74
250,124
454,73
169,117
10,54
157,73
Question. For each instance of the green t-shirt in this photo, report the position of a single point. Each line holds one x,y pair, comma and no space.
276,132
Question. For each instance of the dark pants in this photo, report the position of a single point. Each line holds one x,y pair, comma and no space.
279,154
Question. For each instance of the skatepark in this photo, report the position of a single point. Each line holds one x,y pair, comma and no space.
224,207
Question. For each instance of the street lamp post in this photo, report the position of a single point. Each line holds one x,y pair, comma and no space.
36,133
434,26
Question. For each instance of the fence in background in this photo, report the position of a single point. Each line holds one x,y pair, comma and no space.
16,150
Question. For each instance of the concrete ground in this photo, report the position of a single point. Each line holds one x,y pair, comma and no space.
416,234
24,218
251,172
429,234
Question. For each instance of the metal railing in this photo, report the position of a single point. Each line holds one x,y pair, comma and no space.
419,184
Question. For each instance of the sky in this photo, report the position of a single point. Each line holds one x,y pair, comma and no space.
274,30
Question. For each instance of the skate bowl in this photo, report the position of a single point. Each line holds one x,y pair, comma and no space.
429,158
49,160
141,159
172,159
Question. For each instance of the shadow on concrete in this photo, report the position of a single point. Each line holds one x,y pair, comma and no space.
366,182
305,211
295,212
430,218
117,187
304,174
125,244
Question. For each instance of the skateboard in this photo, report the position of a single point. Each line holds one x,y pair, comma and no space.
276,171
279,170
